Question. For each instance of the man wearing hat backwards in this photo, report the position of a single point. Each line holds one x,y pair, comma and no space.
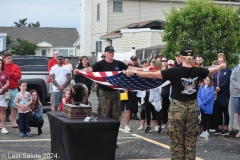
60,75
183,113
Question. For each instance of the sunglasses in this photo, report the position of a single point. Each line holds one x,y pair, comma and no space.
129,64
164,60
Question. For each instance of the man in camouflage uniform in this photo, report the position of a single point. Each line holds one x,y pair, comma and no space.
183,112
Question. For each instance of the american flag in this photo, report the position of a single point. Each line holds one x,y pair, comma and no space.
118,80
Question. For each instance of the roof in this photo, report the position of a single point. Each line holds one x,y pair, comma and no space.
64,37
153,24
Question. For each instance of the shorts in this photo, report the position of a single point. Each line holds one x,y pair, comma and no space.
3,102
236,104
12,93
56,98
50,88
128,103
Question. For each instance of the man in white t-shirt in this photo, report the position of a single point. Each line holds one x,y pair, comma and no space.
61,78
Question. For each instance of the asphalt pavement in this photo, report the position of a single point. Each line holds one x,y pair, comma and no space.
134,145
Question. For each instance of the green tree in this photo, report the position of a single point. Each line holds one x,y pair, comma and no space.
21,23
8,42
208,27
24,48
37,24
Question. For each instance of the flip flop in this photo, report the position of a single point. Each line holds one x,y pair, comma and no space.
14,126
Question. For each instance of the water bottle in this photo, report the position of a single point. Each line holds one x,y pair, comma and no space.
206,135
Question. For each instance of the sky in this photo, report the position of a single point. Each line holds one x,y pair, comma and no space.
49,13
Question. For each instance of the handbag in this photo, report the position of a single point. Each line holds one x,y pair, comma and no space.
7,96
124,96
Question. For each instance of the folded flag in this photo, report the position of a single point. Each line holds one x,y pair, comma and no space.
118,80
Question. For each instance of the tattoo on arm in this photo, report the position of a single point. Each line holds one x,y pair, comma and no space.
68,80
53,80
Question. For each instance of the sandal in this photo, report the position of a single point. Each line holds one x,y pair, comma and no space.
14,126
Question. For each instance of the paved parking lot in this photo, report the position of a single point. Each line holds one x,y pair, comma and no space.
132,145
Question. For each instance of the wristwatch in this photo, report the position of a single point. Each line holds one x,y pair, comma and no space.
134,73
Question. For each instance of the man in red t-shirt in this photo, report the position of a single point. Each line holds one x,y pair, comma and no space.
51,63
15,74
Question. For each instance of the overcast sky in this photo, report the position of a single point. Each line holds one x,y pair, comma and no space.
50,13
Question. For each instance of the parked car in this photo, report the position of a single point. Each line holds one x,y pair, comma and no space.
35,73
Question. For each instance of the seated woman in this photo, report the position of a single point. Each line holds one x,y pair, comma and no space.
36,118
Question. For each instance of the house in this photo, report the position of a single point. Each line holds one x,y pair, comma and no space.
65,40
100,17
3,39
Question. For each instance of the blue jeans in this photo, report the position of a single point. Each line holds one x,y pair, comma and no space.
24,123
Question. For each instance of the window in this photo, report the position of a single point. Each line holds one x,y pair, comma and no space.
63,52
98,46
70,52
117,6
98,12
44,52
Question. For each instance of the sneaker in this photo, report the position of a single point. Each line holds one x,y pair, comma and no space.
4,131
218,131
28,134
126,128
22,135
156,128
203,134
148,130
225,133
160,130
141,128
164,126
238,135
212,130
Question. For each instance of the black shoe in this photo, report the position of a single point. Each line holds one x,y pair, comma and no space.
218,131
7,119
40,132
225,133
160,130
135,116
148,130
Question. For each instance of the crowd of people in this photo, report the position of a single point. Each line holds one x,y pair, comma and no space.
24,105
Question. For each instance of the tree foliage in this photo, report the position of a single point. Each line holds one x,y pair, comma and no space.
24,48
8,41
23,23
208,27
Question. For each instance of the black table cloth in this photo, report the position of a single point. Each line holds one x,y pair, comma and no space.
74,139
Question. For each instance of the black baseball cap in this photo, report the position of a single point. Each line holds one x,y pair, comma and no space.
109,49
133,58
177,54
60,57
186,51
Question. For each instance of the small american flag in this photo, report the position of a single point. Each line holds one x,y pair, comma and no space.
118,80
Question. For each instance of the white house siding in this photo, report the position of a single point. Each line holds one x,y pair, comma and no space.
137,11
156,38
138,40
99,28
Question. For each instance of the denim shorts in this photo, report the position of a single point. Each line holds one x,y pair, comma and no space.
56,98
236,104
12,93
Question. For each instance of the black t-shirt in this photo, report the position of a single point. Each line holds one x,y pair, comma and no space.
105,66
177,65
184,81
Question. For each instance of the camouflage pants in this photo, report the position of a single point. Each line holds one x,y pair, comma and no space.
109,104
183,129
